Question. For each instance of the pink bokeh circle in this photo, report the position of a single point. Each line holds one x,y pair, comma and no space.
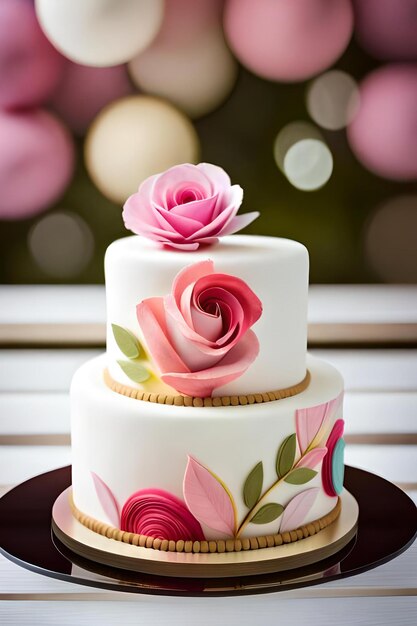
288,40
30,67
383,133
36,162
83,91
387,29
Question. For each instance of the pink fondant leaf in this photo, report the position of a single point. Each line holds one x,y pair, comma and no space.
107,500
297,509
208,498
308,422
312,458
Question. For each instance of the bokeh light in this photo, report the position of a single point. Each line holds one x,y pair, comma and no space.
132,139
390,240
333,99
308,164
83,91
387,29
30,67
61,244
194,73
36,162
303,157
383,132
97,32
285,40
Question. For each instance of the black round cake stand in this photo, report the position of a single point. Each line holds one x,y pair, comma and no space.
387,527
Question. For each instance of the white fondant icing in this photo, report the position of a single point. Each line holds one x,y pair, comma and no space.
275,269
134,445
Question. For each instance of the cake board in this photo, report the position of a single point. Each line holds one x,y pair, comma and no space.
98,548
383,533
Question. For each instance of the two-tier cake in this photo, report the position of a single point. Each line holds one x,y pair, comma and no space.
205,427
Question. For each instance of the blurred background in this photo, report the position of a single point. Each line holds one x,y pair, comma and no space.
310,105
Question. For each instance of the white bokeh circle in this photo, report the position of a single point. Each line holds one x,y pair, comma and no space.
133,138
333,99
195,75
308,164
100,32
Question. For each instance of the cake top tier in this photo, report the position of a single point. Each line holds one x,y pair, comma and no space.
186,206
227,319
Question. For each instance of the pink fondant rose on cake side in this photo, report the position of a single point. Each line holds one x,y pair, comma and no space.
159,514
199,335
186,206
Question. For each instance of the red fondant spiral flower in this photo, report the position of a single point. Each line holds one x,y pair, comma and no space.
157,513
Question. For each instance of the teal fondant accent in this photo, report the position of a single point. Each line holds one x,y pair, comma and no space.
338,466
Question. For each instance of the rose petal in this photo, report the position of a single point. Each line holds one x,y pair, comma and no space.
229,196
185,304
185,226
189,275
200,210
207,325
238,223
176,177
234,364
189,247
219,179
139,215
248,300
190,351
151,318
223,218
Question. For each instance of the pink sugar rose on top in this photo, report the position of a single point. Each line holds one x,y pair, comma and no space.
199,335
186,206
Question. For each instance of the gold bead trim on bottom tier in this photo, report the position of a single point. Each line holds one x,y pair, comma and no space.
218,545
180,400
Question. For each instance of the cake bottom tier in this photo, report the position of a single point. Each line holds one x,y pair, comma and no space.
204,474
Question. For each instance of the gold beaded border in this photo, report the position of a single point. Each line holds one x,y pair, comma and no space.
218,545
180,400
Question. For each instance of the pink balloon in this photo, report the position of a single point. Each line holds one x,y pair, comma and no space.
84,91
36,162
387,29
383,134
29,65
288,40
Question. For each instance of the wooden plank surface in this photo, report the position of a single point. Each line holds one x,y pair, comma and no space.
243,611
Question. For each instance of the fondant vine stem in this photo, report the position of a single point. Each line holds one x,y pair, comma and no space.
256,508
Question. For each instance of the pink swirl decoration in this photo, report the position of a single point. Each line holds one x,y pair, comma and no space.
327,467
157,513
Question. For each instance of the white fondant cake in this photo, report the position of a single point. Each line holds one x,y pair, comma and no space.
204,420
134,445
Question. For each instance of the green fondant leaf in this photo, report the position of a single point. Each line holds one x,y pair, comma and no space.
286,455
126,341
253,485
267,513
300,475
134,371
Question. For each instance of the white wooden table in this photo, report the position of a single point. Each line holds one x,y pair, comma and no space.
369,333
